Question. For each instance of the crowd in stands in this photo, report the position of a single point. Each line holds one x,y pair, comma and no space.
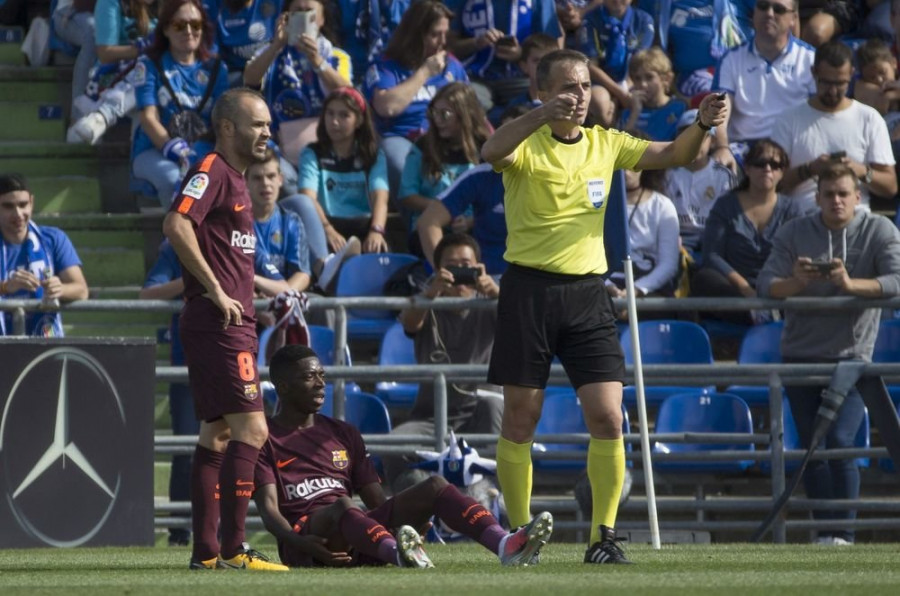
380,108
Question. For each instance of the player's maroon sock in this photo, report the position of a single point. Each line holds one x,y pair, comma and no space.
205,502
368,536
236,482
468,517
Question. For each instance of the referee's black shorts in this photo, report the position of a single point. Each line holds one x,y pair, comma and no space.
543,314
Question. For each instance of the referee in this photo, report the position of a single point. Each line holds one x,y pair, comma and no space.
556,176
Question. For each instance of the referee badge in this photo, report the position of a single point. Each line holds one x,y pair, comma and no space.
596,190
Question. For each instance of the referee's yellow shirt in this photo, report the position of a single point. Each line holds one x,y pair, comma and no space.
556,194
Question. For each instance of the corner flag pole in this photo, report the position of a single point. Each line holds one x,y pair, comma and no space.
618,253
641,403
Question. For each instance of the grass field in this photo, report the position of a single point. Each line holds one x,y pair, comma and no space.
465,570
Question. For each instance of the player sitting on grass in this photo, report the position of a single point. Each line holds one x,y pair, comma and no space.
310,467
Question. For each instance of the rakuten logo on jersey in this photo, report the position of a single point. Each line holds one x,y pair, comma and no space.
246,242
312,488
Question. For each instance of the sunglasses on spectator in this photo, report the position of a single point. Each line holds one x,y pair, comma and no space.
444,115
779,9
762,163
196,25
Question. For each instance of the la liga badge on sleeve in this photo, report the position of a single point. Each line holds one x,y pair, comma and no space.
196,186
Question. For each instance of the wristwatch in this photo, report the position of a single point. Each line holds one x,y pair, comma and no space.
322,67
700,123
867,177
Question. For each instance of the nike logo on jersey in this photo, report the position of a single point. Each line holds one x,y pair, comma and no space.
239,208
280,464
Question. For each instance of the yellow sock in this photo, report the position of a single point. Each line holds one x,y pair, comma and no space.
514,475
606,472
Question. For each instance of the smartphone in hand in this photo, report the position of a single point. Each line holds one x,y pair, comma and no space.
822,267
302,22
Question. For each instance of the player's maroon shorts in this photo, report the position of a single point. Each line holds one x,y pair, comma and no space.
222,371
293,557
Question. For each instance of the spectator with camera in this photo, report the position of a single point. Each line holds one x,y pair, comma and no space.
297,71
453,337
833,128
177,84
838,251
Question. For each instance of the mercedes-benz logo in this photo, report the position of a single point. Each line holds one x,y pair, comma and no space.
61,430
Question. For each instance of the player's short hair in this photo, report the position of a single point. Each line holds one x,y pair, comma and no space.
651,60
12,183
537,41
837,171
874,50
228,106
455,239
286,357
834,53
550,62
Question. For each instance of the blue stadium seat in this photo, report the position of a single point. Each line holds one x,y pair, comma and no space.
696,412
321,339
365,275
364,411
887,349
562,414
667,342
717,329
761,345
396,348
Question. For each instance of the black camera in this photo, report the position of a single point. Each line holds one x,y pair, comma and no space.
464,276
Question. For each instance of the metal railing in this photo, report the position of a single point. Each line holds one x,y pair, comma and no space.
774,374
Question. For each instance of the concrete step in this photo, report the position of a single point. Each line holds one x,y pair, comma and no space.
32,121
58,158
111,330
44,85
124,239
66,194
10,46
107,163
133,231
112,266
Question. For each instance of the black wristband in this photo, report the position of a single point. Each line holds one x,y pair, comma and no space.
702,126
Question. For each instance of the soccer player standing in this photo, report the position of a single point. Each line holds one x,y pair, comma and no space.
210,226
556,176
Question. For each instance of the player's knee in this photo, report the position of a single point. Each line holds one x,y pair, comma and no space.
606,424
253,433
435,484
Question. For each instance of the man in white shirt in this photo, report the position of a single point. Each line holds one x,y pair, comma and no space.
763,77
832,127
695,187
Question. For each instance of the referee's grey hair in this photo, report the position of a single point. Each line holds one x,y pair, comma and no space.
228,105
549,62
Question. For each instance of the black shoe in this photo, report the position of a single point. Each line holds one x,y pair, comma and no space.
607,550
179,537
